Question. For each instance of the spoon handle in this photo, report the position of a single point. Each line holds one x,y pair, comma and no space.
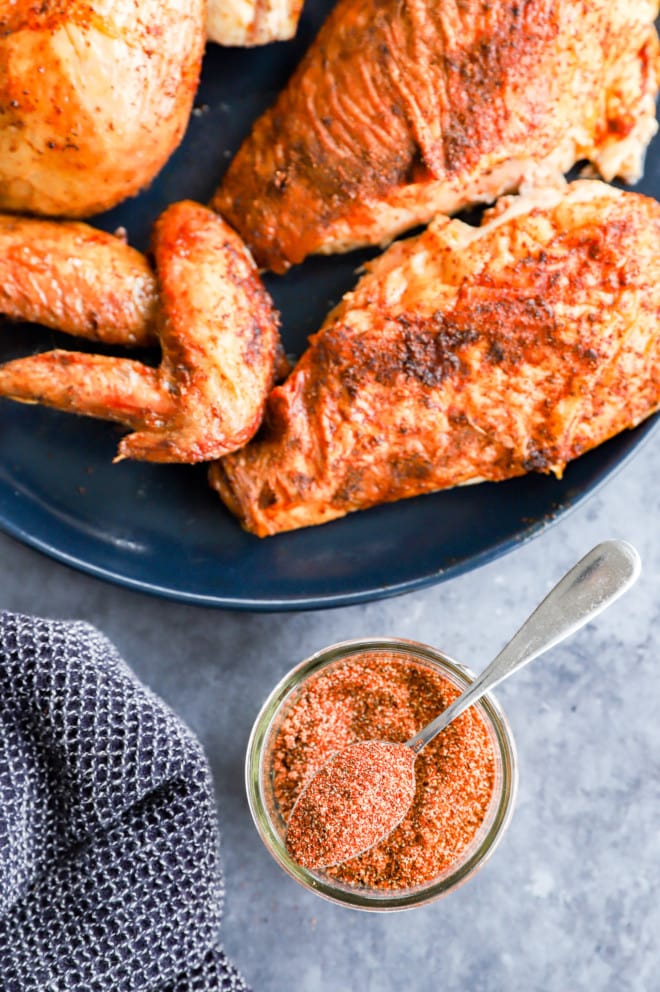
599,578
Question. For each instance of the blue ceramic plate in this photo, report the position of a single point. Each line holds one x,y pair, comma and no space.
160,529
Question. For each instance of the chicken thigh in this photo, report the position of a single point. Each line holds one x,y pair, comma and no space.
465,354
94,97
403,109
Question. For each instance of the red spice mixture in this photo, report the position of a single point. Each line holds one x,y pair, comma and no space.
380,695
358,798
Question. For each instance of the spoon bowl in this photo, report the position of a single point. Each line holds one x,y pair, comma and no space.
356,800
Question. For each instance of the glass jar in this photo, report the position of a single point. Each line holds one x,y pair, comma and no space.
269,820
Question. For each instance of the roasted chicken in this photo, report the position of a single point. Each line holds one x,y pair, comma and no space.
219,338
74,278
94,97
465,354
251,22
403,109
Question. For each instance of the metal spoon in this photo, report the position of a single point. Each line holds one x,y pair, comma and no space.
365,790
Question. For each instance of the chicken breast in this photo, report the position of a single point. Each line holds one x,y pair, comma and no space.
218,332
94,97
251,22
77,279
465,354
402,110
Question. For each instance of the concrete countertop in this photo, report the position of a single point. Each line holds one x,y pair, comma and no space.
569,899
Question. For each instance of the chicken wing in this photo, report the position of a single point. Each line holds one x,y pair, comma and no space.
219,337
251,22
77,279
402,110
465,354
95,95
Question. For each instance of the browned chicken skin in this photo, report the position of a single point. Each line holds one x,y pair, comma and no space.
219,337
465,354
77,279
403,109
94,97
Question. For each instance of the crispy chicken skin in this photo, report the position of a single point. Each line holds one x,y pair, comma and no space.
251,22
77,279
219,338
403,109
94,97
465,354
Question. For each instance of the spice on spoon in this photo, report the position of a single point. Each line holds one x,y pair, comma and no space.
355,801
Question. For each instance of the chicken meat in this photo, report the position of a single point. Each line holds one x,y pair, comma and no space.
94,97
251,22
219,337
403,109
75,278
465,354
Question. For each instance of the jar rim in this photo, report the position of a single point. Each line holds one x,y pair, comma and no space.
386,899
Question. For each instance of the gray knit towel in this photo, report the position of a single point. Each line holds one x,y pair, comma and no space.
110,879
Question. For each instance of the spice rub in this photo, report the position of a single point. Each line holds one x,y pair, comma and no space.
380,695
354,802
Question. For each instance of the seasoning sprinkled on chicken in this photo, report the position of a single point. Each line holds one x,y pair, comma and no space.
465,354
403,110
219,336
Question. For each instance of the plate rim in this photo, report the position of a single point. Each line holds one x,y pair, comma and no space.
271,65
646,429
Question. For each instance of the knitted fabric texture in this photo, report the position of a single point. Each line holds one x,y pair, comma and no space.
110,879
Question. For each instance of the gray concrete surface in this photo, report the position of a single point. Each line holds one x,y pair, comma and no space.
569,901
